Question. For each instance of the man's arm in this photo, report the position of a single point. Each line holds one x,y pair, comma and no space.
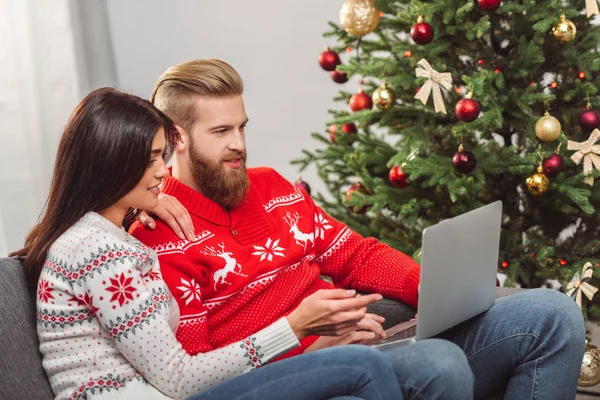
364,264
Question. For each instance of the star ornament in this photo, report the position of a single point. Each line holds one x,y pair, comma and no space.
589,152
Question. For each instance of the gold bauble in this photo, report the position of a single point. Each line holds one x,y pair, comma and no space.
564,30
547,128
359,17
589,375
384,97
537,184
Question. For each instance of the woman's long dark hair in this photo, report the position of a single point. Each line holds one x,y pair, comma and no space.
102,155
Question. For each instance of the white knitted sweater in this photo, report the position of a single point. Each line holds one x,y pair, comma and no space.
107,322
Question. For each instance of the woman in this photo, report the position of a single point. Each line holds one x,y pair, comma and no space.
106,320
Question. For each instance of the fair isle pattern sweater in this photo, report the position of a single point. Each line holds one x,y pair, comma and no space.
253,265
106,323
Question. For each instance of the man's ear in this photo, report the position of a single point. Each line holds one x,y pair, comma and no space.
183,139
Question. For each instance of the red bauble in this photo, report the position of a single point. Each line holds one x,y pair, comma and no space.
553,165
349,128
302,185
464,161
361,101
489,5
338,76
467,110
361,189
329,59
398,178
332,131
589,120
421,32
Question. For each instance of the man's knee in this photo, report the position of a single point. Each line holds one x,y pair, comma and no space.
558,311
448,364
432,363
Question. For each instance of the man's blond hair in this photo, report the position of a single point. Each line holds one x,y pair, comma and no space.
179,86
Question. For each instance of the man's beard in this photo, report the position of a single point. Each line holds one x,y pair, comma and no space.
227,187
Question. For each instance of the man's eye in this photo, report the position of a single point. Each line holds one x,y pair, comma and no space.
222,131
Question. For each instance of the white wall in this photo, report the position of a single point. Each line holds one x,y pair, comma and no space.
39,90
53,52
273,44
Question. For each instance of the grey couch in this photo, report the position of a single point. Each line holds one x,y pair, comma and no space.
21,374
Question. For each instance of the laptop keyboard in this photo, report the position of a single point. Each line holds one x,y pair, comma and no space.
405,334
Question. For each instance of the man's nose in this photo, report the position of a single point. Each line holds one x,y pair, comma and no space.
238,142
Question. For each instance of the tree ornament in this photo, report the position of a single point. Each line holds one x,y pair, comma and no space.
467,109
299,183
339,76
421,32
329,59
433,83
332,131
579,284
384,97
589,152
589,374
504,264
553,165
357,187
547,128
350,127
564,30
489,5
581,75
589,120
397,177
360,101
538,183
554,85
562,262
464,161
359,17
592,7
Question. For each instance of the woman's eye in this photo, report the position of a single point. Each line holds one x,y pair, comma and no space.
151,162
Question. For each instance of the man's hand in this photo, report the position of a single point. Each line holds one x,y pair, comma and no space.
170,210
334,312
367,328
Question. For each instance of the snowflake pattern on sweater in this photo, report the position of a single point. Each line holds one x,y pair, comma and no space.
255,263
107,322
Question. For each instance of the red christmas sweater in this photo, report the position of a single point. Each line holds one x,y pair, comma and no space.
255,264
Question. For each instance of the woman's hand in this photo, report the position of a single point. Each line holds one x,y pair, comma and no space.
334,312
173,213
368,328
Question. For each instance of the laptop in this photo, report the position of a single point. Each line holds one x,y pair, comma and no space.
459,259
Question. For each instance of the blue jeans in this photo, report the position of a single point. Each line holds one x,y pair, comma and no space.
343,372
530,343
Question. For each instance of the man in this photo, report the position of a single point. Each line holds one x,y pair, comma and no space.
260,246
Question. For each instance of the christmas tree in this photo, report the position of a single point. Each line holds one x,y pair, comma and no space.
474,101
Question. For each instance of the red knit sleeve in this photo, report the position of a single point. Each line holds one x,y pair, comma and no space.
184,280
364,264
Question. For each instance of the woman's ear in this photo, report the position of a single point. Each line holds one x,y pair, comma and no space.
183,139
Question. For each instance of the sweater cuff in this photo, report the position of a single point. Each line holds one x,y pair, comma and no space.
410,293
275,340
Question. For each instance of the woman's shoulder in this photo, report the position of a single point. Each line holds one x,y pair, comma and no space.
95,237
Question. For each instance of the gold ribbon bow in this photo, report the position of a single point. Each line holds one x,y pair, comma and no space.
580,284
592,7
434,81
588,152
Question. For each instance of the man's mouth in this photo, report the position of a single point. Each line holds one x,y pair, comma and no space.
234,162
